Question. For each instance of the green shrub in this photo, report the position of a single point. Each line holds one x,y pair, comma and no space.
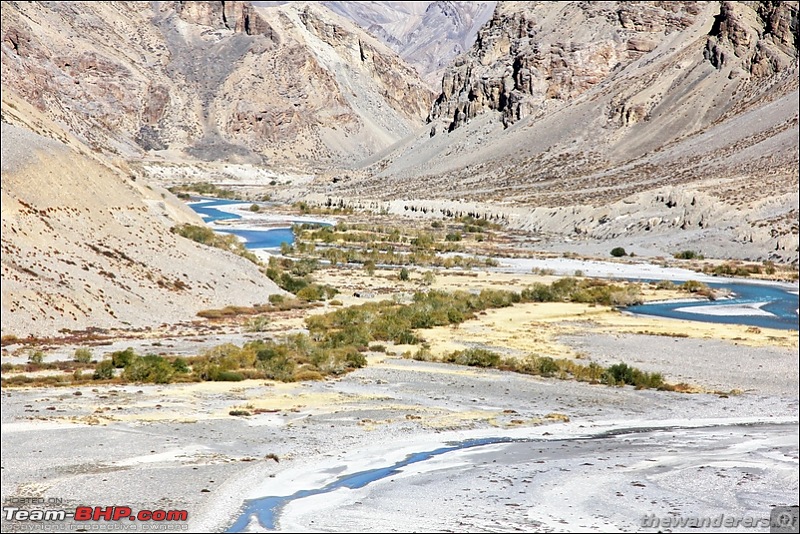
618,252
104,370
621,373
150,368
665,284
255,208
276,298
355,360
123,358
276,364
36,357
82,355
257,324
404,274
228,376
688,255
545,366
474,358
180,366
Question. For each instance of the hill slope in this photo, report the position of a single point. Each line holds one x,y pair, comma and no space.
87,245
429,35
292,85
619,121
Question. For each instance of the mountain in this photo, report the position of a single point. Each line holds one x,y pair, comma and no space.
639,122
428,35
87,245
294,85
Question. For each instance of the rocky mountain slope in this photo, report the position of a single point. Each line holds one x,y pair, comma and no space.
291,85
636,121
428,35
87,245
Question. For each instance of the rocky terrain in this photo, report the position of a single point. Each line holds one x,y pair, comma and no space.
291,85
631,121
86,245
428,35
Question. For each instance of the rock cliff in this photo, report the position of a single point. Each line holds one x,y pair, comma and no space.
292,85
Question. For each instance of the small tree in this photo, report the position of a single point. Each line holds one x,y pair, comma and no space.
404,275
36,357
104,370
618,252
82,355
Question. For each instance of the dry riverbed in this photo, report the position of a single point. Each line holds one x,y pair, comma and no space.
584,457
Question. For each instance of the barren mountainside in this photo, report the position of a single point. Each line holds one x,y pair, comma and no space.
86,244
289,85
429,35
612,120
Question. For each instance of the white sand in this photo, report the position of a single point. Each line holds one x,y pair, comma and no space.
729,310
608,269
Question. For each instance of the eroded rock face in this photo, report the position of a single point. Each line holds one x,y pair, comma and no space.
754,38
532,56
294,84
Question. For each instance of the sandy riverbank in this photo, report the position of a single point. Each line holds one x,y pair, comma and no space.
176,447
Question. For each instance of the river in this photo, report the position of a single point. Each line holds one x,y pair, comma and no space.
760,305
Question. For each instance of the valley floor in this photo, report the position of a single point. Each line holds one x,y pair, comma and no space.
593,457
578,457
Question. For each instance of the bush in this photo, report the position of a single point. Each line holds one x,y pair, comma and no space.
545,366
622,373
228,376
355,360
688,255
618,252
404,274
104,370
255,208
276,364
150,368
257,324
474,358
180,365
36,357
123,358
82,355
276,299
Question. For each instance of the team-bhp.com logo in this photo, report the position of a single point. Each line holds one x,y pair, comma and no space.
93,513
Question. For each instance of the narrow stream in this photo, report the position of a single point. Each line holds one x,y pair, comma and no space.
267,509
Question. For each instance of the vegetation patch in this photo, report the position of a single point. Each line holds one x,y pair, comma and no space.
206,236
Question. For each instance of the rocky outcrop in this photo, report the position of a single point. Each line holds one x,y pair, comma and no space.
241,17
213,80
754,38
533,53
568,107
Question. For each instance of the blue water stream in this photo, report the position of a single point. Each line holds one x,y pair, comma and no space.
779,302
266,509
266,238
